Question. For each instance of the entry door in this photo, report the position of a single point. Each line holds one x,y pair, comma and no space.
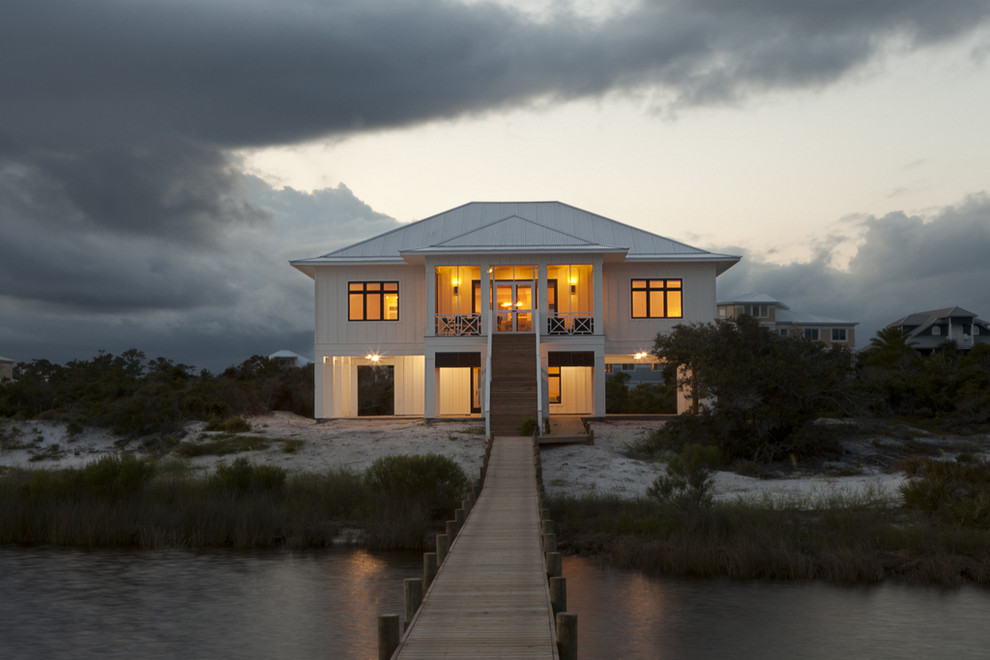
514,303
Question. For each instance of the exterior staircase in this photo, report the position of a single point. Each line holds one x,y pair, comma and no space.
513,383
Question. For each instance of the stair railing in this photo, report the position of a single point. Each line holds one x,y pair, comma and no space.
488,376
539,374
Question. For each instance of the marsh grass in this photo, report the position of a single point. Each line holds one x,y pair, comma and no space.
839,537
122,501
222,444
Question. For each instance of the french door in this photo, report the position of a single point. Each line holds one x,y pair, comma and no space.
514,304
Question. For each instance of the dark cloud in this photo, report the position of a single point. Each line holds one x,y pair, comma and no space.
904,264
251,73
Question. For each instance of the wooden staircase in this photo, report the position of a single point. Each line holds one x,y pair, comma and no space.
513,388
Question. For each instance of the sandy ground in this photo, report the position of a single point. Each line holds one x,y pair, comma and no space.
301,444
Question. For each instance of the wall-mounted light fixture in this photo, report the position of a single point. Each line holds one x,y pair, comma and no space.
457,285
374,357
573,285
640,355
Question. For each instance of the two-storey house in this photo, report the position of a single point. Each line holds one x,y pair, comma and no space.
787,322
513,306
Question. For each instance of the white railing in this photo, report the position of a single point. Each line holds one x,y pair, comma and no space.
571,324
458,325
539,374
488,376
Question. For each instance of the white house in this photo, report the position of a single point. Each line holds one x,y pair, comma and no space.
6,369
523,303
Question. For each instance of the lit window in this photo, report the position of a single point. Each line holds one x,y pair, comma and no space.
656,299
373,301
553,384
838,334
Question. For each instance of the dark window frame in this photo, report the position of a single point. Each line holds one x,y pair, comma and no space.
646,288
365,293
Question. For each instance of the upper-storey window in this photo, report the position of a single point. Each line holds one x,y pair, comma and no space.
656,299
839,334
372,301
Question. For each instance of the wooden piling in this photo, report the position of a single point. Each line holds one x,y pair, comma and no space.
429,569
558,594
389,634
443,547
412,596
554,568
567,635
549,543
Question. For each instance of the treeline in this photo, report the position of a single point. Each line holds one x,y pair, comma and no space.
759,394
133,395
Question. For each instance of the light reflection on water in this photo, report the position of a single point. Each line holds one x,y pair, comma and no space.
57,603
624,614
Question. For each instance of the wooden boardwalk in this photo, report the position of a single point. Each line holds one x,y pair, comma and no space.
490,597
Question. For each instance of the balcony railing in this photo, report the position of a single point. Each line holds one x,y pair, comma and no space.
571,324
458,325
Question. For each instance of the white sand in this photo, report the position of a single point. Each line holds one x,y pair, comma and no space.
354,443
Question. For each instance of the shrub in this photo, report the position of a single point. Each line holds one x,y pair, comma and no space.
241,476
688,482
949,491
434,480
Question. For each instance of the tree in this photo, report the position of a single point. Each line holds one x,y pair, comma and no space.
763,389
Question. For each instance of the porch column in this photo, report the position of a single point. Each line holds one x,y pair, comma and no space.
430,386
599,379
599,316
320,372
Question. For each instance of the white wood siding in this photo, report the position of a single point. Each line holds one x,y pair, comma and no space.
332,326
577,392
455,391
623,333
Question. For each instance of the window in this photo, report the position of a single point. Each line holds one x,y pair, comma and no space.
784,332
553,384
758,311
722,312
839,334
373,301
936,330
811,333
656,299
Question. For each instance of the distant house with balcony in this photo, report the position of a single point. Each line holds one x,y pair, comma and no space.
523,303
787,322
926,331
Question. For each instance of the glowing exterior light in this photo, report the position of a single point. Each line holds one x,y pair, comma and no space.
374,357
640,355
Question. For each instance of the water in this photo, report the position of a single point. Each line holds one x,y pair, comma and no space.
57,603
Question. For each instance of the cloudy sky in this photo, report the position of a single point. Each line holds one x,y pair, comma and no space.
161,161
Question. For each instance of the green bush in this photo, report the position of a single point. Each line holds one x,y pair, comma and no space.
434,480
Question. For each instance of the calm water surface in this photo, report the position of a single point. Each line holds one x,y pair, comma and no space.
58,603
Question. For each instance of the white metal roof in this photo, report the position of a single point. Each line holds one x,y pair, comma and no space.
803,318
754,298
479,227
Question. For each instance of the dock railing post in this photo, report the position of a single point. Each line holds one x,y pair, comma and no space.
429,569
558,594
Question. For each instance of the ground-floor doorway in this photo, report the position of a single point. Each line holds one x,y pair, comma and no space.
376,390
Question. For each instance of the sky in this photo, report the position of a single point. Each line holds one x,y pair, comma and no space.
162,161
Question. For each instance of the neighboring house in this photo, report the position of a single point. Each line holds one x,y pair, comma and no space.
290,358
926,331
783,320
540,296
6,369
